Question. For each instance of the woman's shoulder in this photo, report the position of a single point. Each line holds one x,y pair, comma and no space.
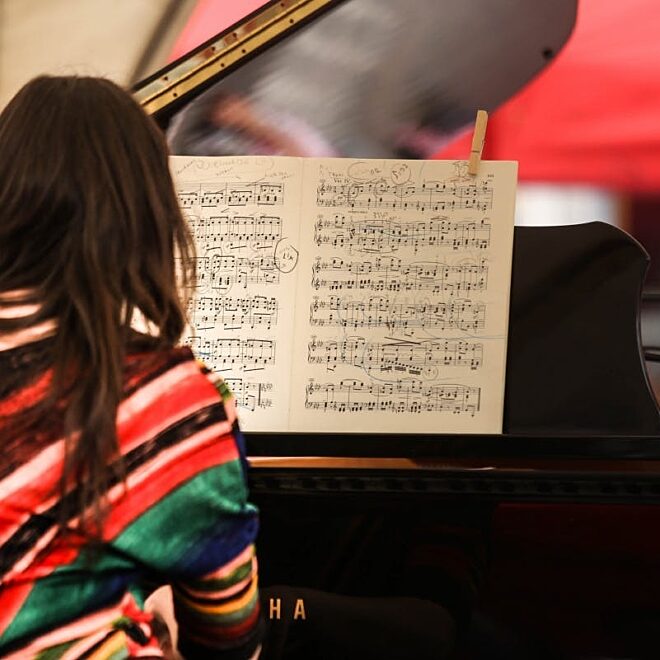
172,369
142,354
142,364
169,392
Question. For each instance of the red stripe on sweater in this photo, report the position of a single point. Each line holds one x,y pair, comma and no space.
203,633
192,391
142,497
26,396
11,601
146,494
169,407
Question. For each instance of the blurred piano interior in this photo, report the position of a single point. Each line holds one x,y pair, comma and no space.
542,542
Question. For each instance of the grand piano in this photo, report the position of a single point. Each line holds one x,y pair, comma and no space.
578,461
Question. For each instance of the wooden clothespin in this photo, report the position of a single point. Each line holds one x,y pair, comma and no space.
478,139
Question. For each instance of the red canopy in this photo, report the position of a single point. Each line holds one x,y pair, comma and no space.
593,116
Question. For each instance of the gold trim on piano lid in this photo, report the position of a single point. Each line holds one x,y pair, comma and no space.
233,46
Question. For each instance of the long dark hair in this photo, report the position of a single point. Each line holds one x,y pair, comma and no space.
90,230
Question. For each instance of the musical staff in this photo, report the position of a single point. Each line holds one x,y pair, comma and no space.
232,194
352,396
414,358
232,232
395,275
208,312
379,312
428,196
386,236
352,286
229,354
251,395
220,273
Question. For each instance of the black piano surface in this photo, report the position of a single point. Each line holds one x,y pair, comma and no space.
540,541
580,421
580,418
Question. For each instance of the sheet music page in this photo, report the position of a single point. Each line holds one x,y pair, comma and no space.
403,296
244,214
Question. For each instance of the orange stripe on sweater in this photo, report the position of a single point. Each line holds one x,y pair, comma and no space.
202,633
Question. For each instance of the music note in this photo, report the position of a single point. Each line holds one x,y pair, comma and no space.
208,312
396,275
234,355
251,395
426,196
379,236
352,295
393,358
232,194
352,396
380,312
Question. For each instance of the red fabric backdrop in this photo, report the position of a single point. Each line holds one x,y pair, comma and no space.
593,115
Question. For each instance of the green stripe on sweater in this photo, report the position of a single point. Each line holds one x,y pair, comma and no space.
160,538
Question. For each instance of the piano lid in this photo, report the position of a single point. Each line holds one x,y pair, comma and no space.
370,68
360,71
183,80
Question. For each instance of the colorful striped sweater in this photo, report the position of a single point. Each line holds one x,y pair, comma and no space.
180,516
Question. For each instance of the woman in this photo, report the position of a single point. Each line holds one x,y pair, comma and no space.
122,464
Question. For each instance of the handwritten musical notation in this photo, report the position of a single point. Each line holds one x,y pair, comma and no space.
408,283
352,396
379,312
329,290
241,213
208,312
414,358
232,194
372,235
427,196
395,275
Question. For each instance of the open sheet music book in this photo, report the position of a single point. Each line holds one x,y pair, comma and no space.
341,295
